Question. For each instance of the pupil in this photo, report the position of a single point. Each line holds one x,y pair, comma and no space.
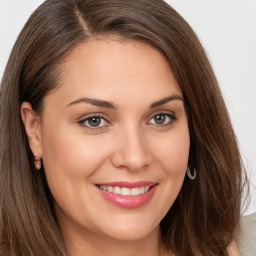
160,119
94,121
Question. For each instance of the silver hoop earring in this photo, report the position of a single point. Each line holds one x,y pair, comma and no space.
192,177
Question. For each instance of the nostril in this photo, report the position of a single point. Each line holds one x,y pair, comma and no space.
132,151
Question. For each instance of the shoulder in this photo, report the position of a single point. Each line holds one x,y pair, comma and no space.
233,250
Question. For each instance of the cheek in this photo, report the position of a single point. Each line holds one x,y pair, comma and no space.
174,152
61,155
69,154
62,163
70,159
175,165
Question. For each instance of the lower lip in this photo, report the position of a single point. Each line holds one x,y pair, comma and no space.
128,201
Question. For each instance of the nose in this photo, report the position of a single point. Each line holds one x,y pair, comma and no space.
132,151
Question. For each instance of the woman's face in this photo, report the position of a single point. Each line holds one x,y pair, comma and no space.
116,124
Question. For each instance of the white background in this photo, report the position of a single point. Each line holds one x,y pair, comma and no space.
227,29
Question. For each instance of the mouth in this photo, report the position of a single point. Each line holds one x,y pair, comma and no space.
126,194
125,191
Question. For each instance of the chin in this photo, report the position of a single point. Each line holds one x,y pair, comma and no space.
132,231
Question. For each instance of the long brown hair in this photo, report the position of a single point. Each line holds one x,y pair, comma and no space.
205,217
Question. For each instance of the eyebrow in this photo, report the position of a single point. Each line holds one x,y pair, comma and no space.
110,105
95,102
165,100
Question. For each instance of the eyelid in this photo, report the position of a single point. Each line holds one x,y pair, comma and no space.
84,118
167,112
94,114
171,115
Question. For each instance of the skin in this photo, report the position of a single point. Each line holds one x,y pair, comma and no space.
127,145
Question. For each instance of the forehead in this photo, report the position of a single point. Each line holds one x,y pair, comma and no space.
114,70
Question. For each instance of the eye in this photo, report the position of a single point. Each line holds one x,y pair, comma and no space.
162,119
94,122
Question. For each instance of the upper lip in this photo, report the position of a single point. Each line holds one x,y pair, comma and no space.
128,184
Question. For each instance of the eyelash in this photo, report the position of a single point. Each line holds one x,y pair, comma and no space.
87,119
172,118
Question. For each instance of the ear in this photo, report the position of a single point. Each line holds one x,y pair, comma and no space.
32,125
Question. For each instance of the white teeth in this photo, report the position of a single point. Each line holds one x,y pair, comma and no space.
147,188
142,190
126,191
135,191
117,190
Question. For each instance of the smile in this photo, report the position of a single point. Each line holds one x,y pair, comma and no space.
126,191
126,194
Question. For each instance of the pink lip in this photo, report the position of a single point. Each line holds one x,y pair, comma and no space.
129,201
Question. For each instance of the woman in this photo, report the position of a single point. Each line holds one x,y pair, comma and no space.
115,139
